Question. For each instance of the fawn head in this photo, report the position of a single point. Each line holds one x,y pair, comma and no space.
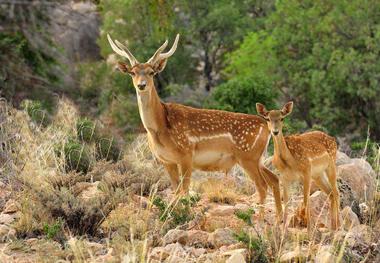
142,73
275,118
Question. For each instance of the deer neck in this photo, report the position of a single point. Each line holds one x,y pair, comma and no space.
151,110
281,150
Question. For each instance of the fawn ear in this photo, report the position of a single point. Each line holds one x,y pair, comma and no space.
287,109
123,67
261,110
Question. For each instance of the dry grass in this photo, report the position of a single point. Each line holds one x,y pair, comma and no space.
220,190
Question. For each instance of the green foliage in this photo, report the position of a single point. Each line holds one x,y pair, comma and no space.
86,130
77,156
37,112
51,231
107,148
246,216
256,245
178,213
241,95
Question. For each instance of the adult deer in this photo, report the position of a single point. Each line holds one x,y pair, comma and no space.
305,157
183,138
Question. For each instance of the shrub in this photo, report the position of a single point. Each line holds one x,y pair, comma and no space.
37,112
178,213
107,148
86,130
255,243
51,231
77,157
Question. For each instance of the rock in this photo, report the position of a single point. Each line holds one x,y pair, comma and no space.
197,238
96,248
342,158
7,233
365,212
197,252
221,237
11,206
6,219
325,255
162,253
350,219
319,211
91,191
222,210
241,207
174,236
236,257
293,256
359,176
359,235
364,166
347,196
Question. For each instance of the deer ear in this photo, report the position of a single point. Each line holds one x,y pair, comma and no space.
287,109
160,65
261,110
123,67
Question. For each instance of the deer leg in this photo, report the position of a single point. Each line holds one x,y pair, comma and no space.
286,201
335,202
253,172
306,195
185,170
273,181
172,170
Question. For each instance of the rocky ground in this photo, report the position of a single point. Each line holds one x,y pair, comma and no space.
124,211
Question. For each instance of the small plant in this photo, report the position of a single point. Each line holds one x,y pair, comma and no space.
37,112
178,213
256,245
107,148
86,130
51,231
77,157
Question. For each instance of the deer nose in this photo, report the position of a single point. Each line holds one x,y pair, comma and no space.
141,85
275,133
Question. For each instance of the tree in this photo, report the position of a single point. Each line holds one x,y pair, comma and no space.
325,56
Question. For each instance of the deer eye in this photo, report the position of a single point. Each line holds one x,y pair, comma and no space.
132,73
281,119
151,73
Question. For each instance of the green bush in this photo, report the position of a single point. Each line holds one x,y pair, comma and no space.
51,231
107,148
77,157
178,213
241,95
256,245
86,130
37,112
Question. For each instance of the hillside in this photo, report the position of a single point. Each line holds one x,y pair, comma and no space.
121,210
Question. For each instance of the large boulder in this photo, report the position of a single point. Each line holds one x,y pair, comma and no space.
174,236
360,177
342,158
221,237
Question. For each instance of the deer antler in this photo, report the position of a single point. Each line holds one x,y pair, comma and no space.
158,56
122,51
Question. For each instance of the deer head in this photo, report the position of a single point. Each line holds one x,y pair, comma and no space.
275,118
142,73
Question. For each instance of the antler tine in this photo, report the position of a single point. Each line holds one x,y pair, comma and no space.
122,50
158,52
172,50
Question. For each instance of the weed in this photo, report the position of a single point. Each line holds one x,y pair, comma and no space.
51,231
256,245
86,130
178,213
